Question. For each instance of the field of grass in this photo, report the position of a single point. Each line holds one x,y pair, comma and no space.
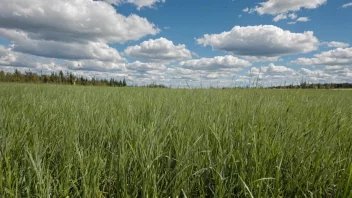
67,141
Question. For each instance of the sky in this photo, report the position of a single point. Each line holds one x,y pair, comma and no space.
181,43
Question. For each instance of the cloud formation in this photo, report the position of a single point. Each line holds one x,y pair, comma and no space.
270,71
303,19
261,41
69,29
73,21
217,63
139,3
10,58
280,75
159,50
281,8
275,7
94,65
62,50
144,67
339,56
336,44
77,31
347,5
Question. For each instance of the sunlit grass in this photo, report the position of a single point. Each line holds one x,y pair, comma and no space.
59,141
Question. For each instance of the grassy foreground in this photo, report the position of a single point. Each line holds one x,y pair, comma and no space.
66,141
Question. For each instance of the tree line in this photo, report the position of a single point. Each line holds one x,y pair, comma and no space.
305,85
58,78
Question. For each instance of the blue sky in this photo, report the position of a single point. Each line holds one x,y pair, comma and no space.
173,42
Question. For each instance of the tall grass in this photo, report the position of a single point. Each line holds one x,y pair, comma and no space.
64,141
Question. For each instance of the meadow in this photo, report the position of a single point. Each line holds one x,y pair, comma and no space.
76,141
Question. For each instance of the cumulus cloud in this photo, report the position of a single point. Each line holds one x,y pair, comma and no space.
159,50
271,75
261,58
275,7
339,56
179,73
347,5
327,75
261,41
292,16
280,75
303,19
139,3
334,68
300,19
77,31
94,65
336,44
10,58
312,73
217,63
73,21
280,17
144,67
281,8
271,70
61,50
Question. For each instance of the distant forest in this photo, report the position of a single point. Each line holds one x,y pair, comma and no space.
58,78
305,85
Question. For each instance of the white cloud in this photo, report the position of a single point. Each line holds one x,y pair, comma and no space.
275,7
77,31
73,21
292,16
257,71
196,75
144,67
328,75
159,50
271,75
61,50
280,8
300,19
260,58
246,10
270,71
279,70
139,3
335,44
10,58
280,75
18,59
334,68
303,19
280,17
261,41
94,65
314,75
347,5
339,56
217,63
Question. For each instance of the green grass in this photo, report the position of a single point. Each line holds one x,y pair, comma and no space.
66,141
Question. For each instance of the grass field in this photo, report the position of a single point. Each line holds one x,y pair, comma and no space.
67,141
